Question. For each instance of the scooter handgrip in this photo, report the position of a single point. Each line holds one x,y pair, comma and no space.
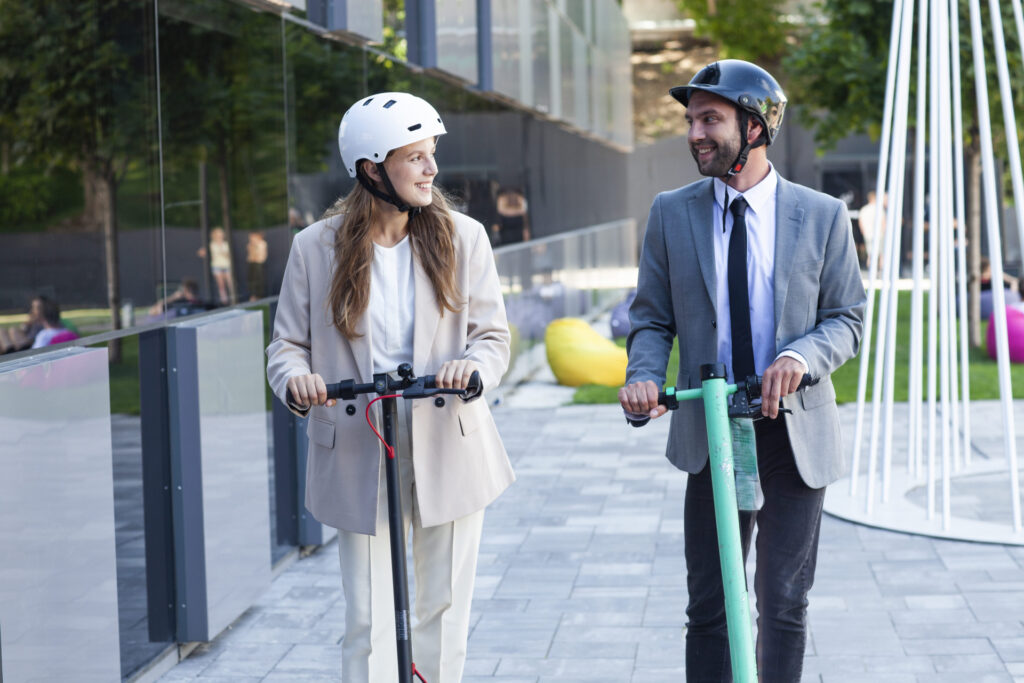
638,423
474,387
808,381
344,390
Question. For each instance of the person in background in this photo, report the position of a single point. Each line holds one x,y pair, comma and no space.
52,332
513,221
392,275
19,338
220,265
182,301
256,258
866,223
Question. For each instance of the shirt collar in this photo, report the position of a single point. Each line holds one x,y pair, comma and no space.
758,197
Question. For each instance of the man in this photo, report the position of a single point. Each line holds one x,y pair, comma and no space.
781,298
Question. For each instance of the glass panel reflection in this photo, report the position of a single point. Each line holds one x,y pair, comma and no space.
323,78
507,49
541,54
222,101
233,437
58,589
79,221
456,38
572,274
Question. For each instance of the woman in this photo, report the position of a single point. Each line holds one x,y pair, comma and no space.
220,265
392,275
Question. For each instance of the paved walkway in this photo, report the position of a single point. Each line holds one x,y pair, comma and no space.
581,579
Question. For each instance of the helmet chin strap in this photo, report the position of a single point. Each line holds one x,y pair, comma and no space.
391,196
741,159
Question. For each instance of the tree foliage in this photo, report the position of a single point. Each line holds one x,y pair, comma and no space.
836,71
744,30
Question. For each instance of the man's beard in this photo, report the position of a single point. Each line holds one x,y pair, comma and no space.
721,160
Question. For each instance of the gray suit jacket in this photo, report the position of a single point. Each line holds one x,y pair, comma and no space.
819,308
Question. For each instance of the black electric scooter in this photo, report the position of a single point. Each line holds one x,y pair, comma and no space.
388,389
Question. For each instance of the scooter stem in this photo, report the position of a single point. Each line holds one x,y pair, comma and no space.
396,529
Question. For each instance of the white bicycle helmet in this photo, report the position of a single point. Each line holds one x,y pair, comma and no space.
377,124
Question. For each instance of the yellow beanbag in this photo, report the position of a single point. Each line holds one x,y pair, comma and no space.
579,355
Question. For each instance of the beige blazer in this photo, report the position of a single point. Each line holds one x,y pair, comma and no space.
459,461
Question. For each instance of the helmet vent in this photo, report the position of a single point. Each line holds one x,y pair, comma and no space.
389,103
368,100
415,127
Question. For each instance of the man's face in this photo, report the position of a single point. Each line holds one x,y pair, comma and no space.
714,134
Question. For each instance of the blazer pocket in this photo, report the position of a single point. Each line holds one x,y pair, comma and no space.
818,395
321,432
469,421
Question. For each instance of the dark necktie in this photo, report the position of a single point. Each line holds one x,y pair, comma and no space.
739,302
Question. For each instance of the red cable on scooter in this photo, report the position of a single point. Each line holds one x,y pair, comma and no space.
389,449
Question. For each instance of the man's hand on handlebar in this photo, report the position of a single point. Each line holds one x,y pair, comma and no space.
641,398
308,390
455,374
781,378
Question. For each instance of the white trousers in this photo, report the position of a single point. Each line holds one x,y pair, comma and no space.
444,563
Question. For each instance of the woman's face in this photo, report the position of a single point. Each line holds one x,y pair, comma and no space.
412,169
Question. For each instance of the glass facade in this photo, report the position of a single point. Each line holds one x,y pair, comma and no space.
210,119
157,157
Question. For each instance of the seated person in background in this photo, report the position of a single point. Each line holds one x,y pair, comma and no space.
1011,288
183,301
53,332
21,337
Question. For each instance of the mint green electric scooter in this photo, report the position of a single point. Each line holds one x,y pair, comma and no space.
721,402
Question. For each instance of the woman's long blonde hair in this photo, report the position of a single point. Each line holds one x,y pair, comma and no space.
432,232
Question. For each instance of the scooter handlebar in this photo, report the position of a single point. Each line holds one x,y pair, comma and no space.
348,389
752,386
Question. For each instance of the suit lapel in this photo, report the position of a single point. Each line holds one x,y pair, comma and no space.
702,228
427,316
789,221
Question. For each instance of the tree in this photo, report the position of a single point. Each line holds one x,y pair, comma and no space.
72,94
753,31
837,72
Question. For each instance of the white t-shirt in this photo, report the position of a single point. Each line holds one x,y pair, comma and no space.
392,305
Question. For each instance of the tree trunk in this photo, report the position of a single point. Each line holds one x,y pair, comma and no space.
93,215
225,215
974,245
106,202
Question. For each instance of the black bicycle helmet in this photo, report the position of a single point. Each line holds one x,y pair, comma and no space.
752,89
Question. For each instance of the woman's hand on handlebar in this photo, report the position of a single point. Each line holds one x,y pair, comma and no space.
455,374
641,398
309,390
781,378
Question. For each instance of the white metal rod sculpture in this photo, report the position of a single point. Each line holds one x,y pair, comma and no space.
941,369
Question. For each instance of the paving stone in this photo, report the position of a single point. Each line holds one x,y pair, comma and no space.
581,577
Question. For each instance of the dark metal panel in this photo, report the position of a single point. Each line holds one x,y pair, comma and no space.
421,32
187,485
484,46
286,486
156,484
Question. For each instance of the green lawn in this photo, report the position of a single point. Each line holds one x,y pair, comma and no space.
983,370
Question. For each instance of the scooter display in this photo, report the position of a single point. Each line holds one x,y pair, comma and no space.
721,402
